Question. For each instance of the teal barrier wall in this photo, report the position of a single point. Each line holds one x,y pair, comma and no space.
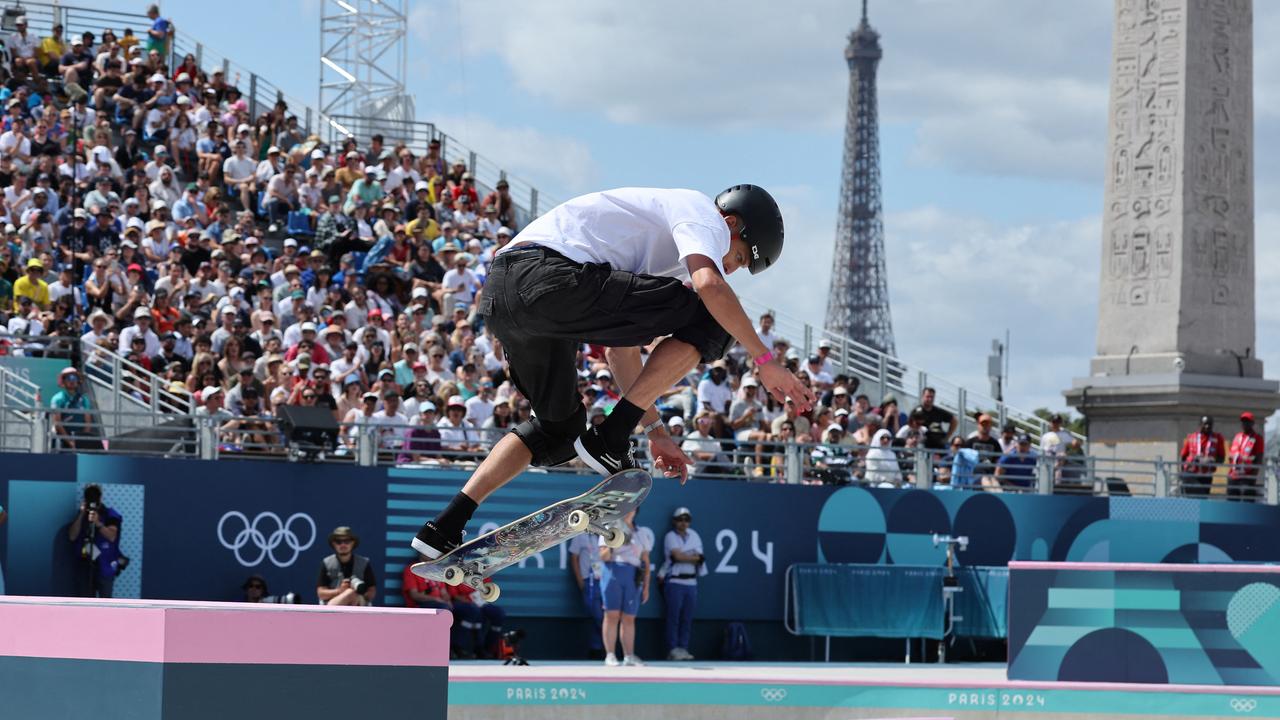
196,529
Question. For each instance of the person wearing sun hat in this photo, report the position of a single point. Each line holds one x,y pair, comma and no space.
32,285
345,577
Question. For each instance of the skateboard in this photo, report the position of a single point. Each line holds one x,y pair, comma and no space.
598,511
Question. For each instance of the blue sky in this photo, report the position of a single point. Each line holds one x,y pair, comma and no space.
993,115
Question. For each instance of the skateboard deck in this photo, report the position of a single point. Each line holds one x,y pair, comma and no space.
598,510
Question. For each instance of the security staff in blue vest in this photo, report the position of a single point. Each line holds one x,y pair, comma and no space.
346,578
683,563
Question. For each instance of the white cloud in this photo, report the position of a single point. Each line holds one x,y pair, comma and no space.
539,158
962,280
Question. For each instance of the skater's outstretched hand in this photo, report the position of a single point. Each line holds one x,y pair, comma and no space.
781,384
668,457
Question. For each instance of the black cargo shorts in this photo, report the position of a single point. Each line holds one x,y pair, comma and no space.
543,306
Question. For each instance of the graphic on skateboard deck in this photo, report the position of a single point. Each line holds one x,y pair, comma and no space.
598,511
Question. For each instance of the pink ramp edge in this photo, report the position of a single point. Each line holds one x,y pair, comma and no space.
1143,567
230,633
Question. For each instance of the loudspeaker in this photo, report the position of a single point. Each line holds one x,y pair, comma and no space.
308,428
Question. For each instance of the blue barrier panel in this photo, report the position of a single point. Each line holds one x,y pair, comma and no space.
1143,623
208,525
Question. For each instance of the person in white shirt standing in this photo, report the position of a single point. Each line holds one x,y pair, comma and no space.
625,586
610,268
684,562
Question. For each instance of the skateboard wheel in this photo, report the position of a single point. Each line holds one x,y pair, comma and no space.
615,538
453,575
579,521
490,592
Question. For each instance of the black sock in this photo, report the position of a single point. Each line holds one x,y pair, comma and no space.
617,428
455,515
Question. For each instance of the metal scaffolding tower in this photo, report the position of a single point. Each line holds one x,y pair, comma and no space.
858,301
363,55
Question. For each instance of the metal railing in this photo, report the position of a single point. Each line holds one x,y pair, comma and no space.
880,375
127,381
370,444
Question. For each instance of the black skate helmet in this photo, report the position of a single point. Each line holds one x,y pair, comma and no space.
761,222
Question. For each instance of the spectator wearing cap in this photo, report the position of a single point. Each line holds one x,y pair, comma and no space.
213,406
1246,457
1202,452
820,377
72,423
489,224
32,285
790,414
345,577
374,327
358,418
746,419
422,441
190,205
404,367
460,283
683,562
1017,470
1055,441
714,392
391,421
987,445
142,322
457,435
76,66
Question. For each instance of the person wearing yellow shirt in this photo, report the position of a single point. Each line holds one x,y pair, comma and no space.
32,285
423,227
50,51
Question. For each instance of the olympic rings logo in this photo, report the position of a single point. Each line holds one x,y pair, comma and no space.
266,533
1243,705
773,694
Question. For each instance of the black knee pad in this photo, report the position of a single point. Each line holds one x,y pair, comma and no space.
552,442
705,334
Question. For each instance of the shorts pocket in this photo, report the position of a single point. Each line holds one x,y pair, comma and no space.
530,292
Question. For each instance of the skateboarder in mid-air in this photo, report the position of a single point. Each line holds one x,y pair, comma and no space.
609,268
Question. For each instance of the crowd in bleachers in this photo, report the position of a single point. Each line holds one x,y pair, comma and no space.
252,265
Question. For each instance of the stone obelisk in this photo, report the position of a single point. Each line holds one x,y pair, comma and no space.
1176,307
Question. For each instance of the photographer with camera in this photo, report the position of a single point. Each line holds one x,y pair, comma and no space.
95,538
346,578
255,591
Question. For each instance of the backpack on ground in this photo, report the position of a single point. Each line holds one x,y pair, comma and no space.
736,645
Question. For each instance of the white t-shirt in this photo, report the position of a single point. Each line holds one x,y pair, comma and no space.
463,284
238,168
629,554
690,543
718,396
479,410
649,231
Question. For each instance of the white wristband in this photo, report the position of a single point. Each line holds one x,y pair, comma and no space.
652,426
